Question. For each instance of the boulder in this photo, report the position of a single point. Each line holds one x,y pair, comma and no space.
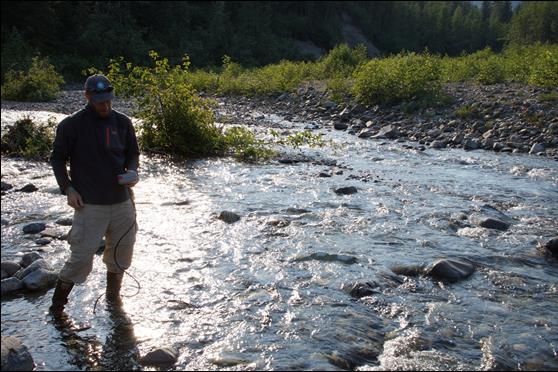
40,279
15,356
163,356
359,290
365,133
493,223
34,228
388,131
536,148
340,126
9,268
29,258
11,285
450,270
229,217
6,186
39,264
29,188
346,190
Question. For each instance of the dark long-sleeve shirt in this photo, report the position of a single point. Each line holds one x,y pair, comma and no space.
98,149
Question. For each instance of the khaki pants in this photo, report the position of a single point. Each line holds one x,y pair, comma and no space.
90,225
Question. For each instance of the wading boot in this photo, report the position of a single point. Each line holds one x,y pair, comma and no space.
114,282
60,298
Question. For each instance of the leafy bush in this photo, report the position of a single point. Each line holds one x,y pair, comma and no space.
40,83
405,76
544,72
342,61
29,140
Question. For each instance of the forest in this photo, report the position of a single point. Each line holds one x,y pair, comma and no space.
82,34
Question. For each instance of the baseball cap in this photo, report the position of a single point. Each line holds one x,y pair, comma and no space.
100,88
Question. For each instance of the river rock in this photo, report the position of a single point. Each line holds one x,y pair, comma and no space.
6,186
5,222
365,133
29,258
388,131
229,217
493,223
346,190
39,264
34,228
15,356
29,188
9,268
11,285
437,145
43,241
40,279
340,126
65,221
359,290
163,356
552,246
450,270
536,148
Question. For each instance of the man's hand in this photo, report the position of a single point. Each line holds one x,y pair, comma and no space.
135,181
74,198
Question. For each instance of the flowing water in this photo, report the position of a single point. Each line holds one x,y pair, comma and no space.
271,291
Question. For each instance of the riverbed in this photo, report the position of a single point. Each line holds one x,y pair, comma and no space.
272,291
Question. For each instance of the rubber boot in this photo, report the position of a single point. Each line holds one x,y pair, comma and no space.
60,298
114,282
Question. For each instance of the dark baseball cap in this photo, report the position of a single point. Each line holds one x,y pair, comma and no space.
100,88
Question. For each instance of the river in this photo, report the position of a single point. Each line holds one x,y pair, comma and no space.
271,291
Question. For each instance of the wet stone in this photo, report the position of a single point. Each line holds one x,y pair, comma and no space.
552,246
229,217
43,241
34,228
29,258
492,223
359,290
66,221
29,188
11,285
346,190
9,268
15,356
6,186
163,356
450,270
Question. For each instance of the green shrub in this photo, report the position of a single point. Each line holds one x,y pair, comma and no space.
544,72
29,140
548,97
40,83
342,61
405,76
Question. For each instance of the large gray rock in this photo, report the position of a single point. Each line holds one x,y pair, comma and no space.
450,270
29,258
9,268
34,228
11,285
536,148
493,223
15,356
163,356
40,279
388,131
39,264
229,217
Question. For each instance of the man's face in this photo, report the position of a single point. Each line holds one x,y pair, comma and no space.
102,108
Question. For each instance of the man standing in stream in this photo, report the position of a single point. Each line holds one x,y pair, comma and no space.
101,146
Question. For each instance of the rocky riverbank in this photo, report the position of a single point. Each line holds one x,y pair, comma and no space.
500,117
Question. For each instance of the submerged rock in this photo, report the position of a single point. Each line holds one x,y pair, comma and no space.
229,217
15,356
163,356
492,223
29,188
359,290
6,186
346,190
450,270
552,246
34,228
